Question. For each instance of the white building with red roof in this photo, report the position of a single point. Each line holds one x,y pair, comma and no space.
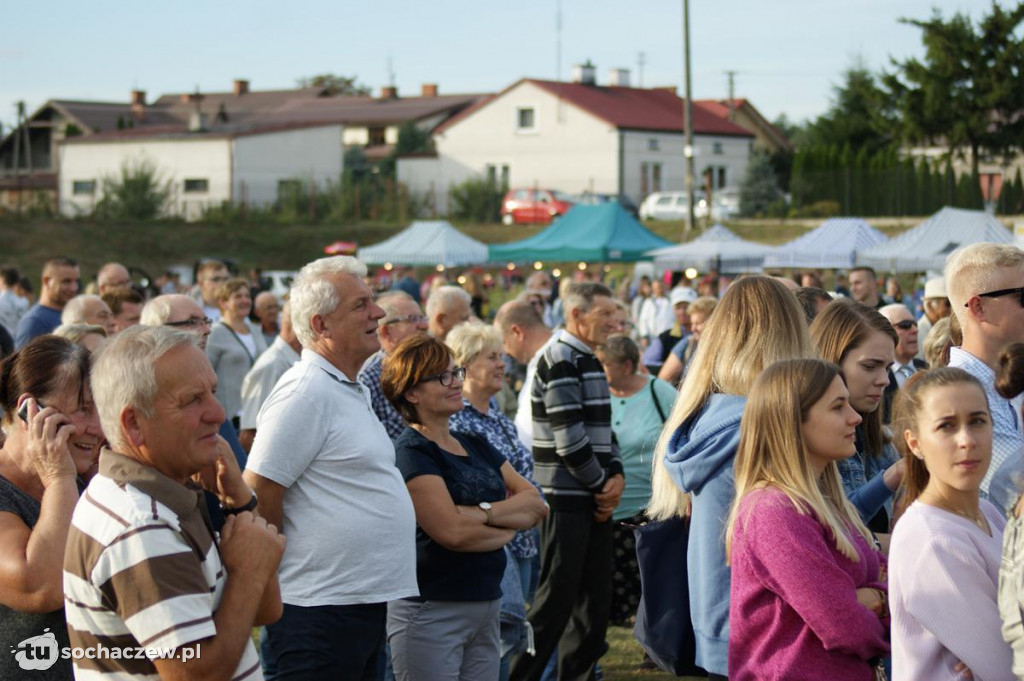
579,137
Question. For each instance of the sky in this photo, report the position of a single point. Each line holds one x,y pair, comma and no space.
787,54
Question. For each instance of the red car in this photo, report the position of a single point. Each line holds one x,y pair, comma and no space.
533,206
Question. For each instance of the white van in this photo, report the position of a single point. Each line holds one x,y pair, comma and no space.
672,206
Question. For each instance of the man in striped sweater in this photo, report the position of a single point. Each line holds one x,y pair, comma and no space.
150,589
578,466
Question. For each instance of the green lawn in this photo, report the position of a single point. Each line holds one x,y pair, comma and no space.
623,659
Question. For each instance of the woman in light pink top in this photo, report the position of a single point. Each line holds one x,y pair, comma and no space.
946,549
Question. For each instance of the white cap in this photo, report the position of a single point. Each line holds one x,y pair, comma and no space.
935,288
682,294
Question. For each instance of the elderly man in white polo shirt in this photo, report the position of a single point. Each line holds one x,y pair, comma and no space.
324,469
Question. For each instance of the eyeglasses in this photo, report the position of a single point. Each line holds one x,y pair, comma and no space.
414,318
1002,292
191,322
448,377
220,279
906,325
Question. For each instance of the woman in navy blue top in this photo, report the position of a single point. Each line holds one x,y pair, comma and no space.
469,504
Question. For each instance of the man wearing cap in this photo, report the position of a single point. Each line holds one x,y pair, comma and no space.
657,352
936,307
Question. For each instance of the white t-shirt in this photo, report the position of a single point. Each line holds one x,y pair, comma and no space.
261,379
348,517
524,412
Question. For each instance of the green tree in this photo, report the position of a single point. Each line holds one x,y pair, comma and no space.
859,115
411,139
137,193
760,187
336,85
968,90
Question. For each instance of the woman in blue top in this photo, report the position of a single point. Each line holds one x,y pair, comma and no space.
757,322
640,405
863,343
469,503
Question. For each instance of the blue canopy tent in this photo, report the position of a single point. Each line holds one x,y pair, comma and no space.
832,244
602,233
426,242
924,248
717,248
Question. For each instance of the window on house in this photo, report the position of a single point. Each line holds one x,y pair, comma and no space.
652,144
376,137
650,178
497,175
197,186
721,177
83,187
525,118
655,177
716,148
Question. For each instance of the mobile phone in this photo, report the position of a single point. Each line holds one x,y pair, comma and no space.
23,409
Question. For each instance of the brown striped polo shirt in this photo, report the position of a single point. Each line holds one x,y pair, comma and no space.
141,571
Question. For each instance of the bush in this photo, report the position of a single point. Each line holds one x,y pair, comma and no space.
477,200
818,209
138,193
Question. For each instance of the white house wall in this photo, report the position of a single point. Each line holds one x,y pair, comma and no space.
666,149
175,160
262,161
569,149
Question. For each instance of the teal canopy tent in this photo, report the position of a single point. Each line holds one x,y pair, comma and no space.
602,233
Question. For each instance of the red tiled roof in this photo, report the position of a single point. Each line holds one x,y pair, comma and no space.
720,107
656,109
640,109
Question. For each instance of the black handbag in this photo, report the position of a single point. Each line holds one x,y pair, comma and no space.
663,626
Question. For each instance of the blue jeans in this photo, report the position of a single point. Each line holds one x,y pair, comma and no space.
338,642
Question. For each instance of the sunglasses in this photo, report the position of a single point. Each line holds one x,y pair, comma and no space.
1003,292
447,378
906,325
191,322
414,318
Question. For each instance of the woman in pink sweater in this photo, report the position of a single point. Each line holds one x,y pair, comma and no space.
808,595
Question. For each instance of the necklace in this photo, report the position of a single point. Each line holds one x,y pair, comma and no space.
978,518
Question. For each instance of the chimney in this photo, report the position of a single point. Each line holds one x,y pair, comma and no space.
139,105
583,74
619,78
389,92
429,90
197,119
241,87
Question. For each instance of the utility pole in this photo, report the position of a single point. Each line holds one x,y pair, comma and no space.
688,120
732,94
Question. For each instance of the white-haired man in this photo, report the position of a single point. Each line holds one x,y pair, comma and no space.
143,569
113,277
89,309
402,318
269,367
985,283
578,465
324,469
447,307
936,306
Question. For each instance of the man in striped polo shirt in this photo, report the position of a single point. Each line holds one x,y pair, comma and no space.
578,466
148,587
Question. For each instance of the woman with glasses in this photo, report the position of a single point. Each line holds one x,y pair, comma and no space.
52,447
234,345
469,504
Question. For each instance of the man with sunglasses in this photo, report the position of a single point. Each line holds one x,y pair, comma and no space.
403,318
985,283
324,469
906,362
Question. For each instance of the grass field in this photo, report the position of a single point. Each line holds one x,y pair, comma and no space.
156,246
623,659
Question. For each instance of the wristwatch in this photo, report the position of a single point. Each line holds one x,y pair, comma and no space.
485,506
241,509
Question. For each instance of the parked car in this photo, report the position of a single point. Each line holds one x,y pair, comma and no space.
621,199
725,204
534,205
672,206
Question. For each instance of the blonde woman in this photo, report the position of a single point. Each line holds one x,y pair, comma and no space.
757,322
808,598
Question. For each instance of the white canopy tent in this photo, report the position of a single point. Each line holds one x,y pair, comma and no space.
427,242
924,248
832,244
717,248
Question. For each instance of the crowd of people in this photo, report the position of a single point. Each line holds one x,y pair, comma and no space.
398,484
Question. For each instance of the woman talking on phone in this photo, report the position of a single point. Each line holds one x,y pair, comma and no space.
52,444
